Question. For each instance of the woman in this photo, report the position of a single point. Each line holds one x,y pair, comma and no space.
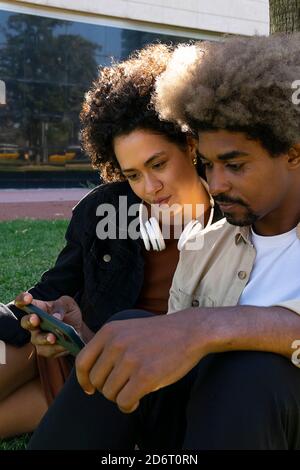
143,159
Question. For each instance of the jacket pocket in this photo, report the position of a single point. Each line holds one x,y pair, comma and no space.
195,300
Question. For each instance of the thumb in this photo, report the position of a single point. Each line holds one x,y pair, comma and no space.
23,299
58,315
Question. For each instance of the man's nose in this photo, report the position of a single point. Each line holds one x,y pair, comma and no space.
218,182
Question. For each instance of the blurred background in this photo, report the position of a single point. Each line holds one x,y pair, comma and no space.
49,55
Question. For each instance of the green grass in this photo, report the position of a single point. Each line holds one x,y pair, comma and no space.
27,249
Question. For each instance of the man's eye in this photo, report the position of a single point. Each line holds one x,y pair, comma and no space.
235,166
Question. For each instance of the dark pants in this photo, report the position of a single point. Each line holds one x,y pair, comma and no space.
233,400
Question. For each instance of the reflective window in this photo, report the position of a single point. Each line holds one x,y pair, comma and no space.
47,65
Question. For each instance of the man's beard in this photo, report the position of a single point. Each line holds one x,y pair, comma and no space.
249,218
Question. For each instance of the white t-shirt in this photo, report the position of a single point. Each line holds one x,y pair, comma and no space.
276,273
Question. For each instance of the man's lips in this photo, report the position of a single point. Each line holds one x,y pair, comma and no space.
225,206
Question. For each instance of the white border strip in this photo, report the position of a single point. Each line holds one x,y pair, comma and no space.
104,21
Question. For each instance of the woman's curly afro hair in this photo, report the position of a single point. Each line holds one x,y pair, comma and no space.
120,102
242,84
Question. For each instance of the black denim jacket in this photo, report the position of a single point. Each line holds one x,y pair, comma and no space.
104,276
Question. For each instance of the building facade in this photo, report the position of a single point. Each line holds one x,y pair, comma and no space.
50,51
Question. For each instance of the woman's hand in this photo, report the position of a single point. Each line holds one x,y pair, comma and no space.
64,308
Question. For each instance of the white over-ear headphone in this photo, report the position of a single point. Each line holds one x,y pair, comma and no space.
153,237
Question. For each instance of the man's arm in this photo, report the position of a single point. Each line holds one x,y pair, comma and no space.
128,359
268,329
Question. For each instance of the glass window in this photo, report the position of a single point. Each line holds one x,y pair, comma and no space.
47,65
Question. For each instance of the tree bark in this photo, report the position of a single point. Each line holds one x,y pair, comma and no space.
284,16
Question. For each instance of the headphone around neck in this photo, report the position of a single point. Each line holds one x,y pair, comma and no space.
153,237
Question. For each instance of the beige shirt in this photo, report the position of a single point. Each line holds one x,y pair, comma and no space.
216,274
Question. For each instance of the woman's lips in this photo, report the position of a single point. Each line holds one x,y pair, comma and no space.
161,200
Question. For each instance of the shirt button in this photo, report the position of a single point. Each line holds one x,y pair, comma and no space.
242,274
107,258
195,303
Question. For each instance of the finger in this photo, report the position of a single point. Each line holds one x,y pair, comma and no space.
50,351
85,361
62,354
30,322
23,299
42,304
64,305
39,338
129,397
129,410
69,302
57,315
101,370
116,380
56,308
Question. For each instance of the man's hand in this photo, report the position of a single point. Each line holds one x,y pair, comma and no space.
65,308
128,359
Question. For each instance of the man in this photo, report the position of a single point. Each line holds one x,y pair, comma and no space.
217,372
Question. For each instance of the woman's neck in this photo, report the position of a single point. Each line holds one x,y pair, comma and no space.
200,202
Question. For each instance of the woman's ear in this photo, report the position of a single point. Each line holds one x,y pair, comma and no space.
192,144
294,156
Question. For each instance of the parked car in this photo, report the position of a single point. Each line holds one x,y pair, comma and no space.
9,152
71,153
76,152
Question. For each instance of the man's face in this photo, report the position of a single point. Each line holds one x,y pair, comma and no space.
245,180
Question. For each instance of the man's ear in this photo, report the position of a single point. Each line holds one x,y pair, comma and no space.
294,156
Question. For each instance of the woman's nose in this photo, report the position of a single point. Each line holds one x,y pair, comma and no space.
152,185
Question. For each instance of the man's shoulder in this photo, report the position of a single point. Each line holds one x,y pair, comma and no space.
219,231
213,240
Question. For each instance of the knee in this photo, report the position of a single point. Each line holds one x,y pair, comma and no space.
258,369
256,376
244,400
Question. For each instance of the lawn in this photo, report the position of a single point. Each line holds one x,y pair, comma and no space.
27,249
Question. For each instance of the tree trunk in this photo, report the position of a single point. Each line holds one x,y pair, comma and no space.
284,16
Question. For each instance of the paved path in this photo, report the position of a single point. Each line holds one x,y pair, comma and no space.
39,203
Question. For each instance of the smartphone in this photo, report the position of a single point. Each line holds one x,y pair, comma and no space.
66,335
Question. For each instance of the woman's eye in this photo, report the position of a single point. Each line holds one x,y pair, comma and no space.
158,165
132,177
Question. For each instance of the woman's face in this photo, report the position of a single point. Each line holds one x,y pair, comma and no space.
158,171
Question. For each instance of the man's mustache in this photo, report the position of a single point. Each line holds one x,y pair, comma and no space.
228,200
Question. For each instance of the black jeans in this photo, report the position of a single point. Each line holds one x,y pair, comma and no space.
234,400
